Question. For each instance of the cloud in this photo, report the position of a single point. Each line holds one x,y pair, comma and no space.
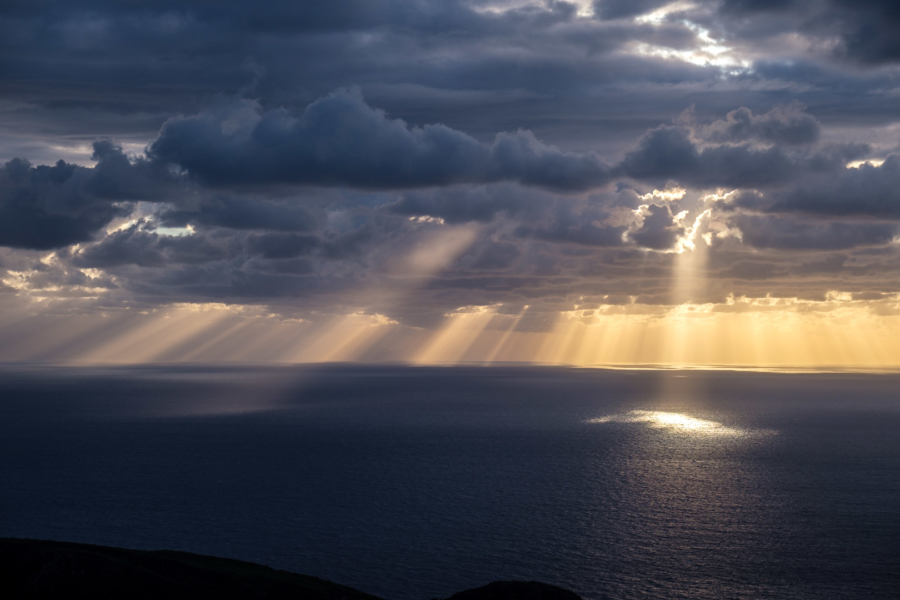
339,140
241,213
47,207
757,6
283,245
868,29
304,199
671,152
494,256
50,207
617,9
659,229
136,246
793,234
466,204
864,191
752,270
579,223
862,31
782,125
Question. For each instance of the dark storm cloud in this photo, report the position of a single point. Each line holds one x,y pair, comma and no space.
137,246
757,6
864,191
670,152
299,266
339,140
792,234
241,213
579,223
82,69
865,30
616,9
585,234
869,29
494,256
296,192
659,230
782,125
228,44
464,204
46,207
283,245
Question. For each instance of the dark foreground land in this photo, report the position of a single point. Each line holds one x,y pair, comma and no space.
47,569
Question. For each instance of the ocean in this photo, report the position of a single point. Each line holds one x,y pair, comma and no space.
417,482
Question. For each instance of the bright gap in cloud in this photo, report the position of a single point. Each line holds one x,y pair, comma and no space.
660,14
175,231
669,194
585,7
874,162
710,52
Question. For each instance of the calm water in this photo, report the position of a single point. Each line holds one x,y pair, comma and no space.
414,483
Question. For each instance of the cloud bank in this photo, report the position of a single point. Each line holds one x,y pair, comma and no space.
407,159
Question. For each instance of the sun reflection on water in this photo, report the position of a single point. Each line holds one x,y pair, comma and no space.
674,422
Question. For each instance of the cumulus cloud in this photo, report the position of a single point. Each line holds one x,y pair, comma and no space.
669,153
135,245
782,125
672,152
49,207
45,207
306,199
339,140
659,229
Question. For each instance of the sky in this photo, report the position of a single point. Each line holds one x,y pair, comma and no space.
438,181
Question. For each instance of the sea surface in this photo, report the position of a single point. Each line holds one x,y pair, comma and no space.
414,483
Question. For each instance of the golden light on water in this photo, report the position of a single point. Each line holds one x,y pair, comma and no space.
672,421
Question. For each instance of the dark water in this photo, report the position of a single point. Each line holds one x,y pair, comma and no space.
413,483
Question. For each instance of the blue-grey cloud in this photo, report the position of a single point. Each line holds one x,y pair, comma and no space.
782,125
134,245
659,230
864,191
339,140
793,234
241,213
671,152
536,130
